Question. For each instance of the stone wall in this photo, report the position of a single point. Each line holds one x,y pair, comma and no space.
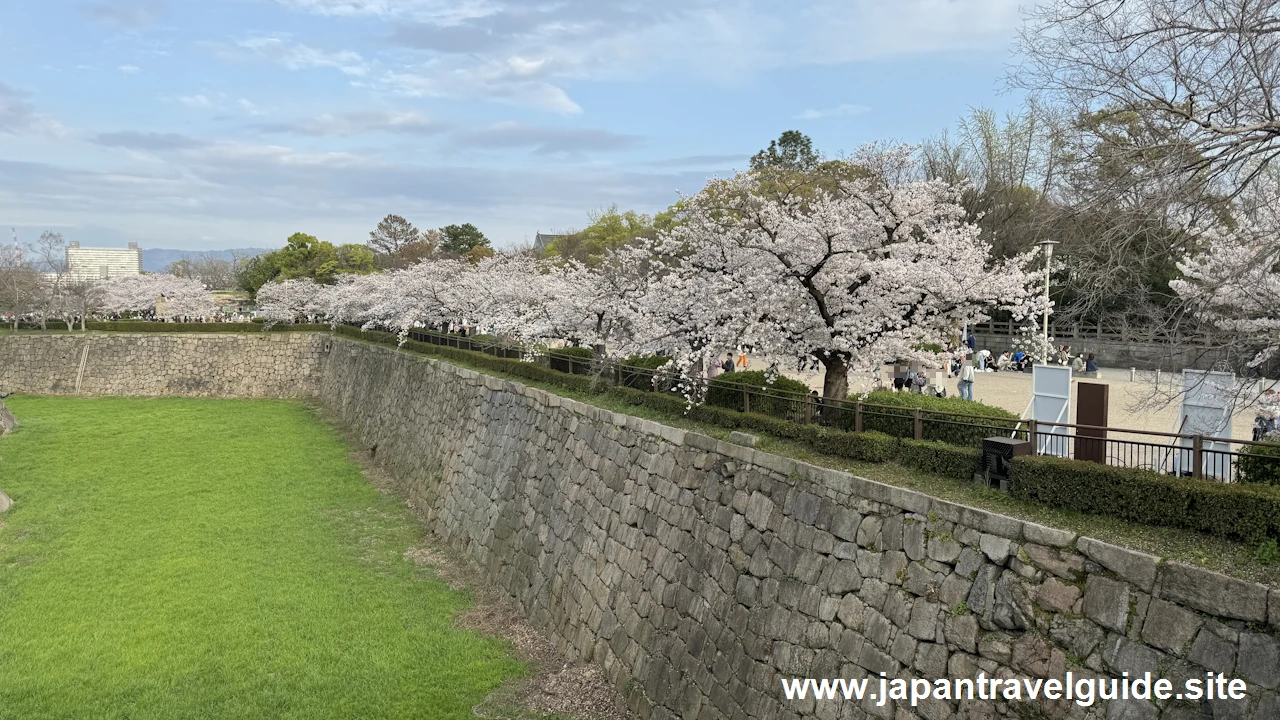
206,364
700,573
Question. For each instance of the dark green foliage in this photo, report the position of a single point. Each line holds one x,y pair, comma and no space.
219,327
1238,511
940,458
899,418
572,360
637,371
462,238
1260,464
792,151
783,397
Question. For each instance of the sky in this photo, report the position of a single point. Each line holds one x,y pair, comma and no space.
210,124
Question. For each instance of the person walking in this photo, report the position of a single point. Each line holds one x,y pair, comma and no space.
966,380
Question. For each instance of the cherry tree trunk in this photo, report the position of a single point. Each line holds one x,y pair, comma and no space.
835,385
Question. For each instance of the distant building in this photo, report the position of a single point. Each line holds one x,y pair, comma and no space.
542,240
84,263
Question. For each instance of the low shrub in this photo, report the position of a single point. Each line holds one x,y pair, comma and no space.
783,397
1250,513
572,360
1260,464
898,418
940,458
633,373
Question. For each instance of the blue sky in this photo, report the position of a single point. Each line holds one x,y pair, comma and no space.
202,124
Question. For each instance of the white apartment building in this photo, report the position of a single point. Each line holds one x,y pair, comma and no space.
91,263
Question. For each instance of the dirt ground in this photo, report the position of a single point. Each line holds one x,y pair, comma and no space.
1137,404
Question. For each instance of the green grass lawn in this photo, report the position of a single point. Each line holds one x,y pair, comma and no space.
184,558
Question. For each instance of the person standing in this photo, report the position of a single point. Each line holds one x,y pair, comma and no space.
966,380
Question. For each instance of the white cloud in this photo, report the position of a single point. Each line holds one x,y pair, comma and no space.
250,107
515,80
199,100
845,110
356,123
129,69
297,56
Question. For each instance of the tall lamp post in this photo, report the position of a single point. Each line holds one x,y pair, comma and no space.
1047,246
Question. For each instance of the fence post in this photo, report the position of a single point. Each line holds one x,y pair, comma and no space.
1197,456
746,399
1031,435
808,409
857,417
919,424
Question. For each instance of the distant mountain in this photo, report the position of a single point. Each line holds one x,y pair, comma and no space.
158,260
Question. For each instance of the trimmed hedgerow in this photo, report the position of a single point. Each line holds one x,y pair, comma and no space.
899,419
214,327
572,360
783,397
940,458
637,371
1250,513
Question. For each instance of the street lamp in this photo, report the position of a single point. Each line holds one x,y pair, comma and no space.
1047,246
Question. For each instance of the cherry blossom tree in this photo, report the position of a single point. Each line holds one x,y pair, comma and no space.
178,297
855,273
288,300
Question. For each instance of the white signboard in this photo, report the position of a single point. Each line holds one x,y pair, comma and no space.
1051,403
1207,399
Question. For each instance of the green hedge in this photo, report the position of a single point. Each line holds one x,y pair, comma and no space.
637,371
791,395
899,419
1260,464
571,360
1250,513
165,327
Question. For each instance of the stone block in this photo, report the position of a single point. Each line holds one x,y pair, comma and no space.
1041,535
924,619
996,548
954,590
1169,627
845,523
961,631
741,438
1138,568
1212,592
1259,660
1106,602
759,510
1213,653
1055,596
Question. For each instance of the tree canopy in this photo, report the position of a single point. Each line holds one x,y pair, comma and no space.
462,239
792,151
306,256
